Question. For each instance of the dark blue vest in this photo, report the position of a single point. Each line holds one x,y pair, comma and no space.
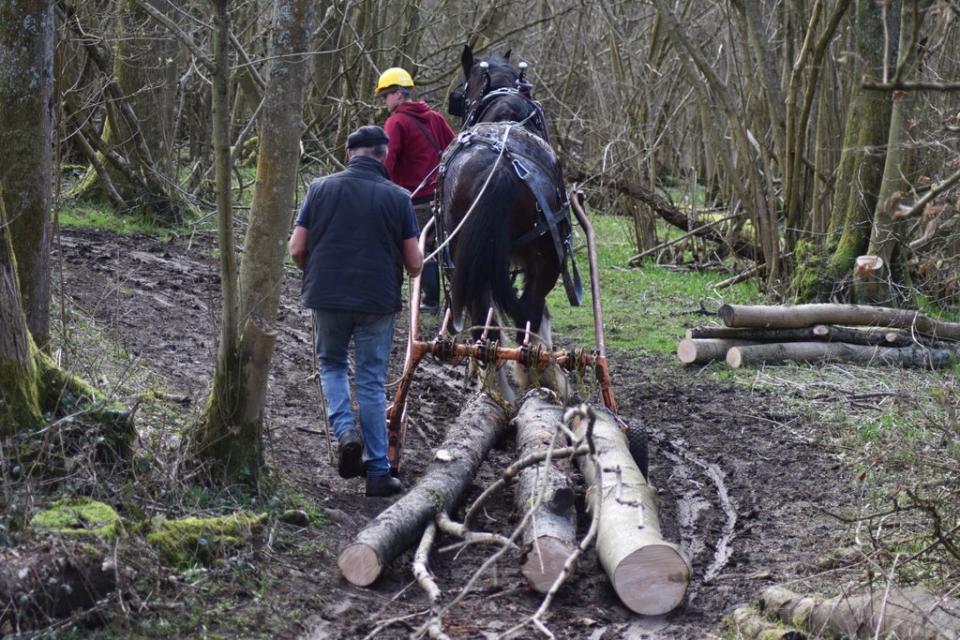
357,220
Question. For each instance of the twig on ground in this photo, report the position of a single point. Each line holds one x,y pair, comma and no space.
420,565
459,530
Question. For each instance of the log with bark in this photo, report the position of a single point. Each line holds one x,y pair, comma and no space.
816,333
649,574
804,315
838,352
51,580
469,439
704,350
907,614
550,538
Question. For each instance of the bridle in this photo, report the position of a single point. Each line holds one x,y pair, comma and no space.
473,111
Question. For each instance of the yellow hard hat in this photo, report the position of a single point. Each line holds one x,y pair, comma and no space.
394,77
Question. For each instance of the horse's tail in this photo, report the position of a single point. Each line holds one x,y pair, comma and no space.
482,255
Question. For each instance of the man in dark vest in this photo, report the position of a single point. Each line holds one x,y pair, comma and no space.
354,235
418,136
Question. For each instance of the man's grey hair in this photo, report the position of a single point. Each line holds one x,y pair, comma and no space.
378,152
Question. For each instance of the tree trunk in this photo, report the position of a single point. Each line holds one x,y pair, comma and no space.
858,183
704,350
19,403
146,72
649,575
885,231
776,353
803,315
469,439
26,97
906,614
230,458
550,538
230,437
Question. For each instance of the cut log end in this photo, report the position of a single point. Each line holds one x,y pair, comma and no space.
734,358
687,351
545,562
359,564
652,580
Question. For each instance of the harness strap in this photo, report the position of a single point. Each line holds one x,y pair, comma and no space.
538,185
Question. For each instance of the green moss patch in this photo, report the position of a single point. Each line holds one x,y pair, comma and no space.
78,518
193,540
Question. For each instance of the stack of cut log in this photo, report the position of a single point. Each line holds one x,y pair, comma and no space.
857,334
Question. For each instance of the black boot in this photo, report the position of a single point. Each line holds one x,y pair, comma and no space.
381,486
430,281
349,455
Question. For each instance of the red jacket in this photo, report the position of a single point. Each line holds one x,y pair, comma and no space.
412,154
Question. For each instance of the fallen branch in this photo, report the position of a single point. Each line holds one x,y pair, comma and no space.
635,260
458,530
420,563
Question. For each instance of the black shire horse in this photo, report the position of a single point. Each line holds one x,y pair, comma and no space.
503,201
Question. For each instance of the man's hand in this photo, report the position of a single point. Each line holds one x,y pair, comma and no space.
298,246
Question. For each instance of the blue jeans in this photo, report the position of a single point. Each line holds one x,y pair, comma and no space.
372,335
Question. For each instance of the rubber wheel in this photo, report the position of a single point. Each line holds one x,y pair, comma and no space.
637,443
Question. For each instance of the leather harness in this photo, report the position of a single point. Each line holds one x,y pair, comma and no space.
539,180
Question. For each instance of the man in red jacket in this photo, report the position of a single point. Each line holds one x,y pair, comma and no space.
418,135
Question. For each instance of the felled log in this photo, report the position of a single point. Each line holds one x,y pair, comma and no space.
704,350
909,614
649,574
469,439
816,333
804,315
838,352
550,538
49,581
750,625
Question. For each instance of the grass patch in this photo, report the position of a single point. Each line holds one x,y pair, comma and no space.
91,216
648,308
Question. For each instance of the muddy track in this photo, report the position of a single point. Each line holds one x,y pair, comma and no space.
743,494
